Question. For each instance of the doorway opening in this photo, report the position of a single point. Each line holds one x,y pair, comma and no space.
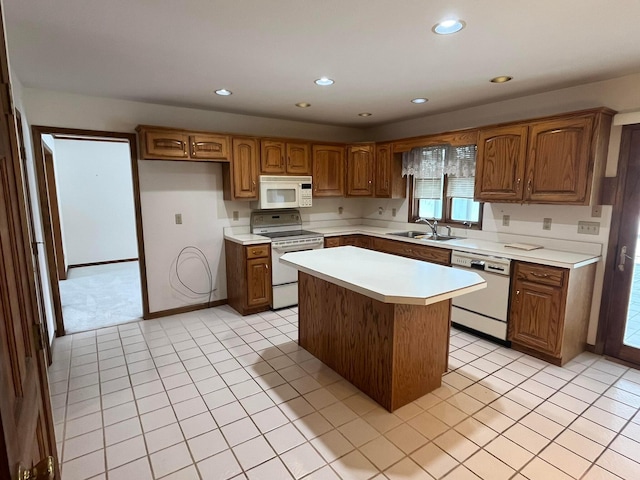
90,202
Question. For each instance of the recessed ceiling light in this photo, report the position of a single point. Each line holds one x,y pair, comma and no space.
447,27
501,79
303,105
420,100
223,92
324,81
365,114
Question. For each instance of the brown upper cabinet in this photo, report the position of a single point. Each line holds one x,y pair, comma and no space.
278,157
556,160
360,170
328,170
388,180
240,178
157,143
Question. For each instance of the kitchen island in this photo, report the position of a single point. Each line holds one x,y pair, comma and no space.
380,321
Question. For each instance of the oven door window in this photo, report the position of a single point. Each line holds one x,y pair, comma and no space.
281,195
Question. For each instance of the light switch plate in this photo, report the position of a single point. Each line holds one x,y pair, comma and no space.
505,220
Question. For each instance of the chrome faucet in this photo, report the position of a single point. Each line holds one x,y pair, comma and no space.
433,226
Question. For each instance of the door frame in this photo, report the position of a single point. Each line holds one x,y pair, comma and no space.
81,134
606,325
34,242
52,191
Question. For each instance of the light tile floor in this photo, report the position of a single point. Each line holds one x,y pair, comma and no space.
212,395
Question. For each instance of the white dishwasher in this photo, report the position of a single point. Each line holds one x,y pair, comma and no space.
485,310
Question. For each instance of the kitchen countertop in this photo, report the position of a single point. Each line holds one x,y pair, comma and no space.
384,277
544,256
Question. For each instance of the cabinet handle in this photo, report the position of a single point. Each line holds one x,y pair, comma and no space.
266,267
255,252
540,275
193,149
517,185
529,185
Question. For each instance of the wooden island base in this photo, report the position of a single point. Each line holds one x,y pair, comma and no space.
394,353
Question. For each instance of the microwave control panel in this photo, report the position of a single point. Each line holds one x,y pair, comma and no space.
305,195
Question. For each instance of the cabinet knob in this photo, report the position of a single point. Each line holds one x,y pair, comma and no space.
266,267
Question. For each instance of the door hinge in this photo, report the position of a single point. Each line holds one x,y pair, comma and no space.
38,336
44,470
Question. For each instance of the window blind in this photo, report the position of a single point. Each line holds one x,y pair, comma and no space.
461,171
428,188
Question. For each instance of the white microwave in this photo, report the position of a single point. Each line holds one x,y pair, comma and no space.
285,192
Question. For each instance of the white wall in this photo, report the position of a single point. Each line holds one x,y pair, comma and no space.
621,94
95,195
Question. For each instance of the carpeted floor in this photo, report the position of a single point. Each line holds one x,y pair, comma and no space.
101,296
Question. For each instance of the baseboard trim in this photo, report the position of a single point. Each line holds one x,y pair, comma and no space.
93,264
185,309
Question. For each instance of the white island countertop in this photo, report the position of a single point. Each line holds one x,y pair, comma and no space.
384,277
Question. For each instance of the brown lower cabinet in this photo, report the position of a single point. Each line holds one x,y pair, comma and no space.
248,277
550,310
427,253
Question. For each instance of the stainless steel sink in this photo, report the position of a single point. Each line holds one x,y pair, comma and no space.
412,234
423,236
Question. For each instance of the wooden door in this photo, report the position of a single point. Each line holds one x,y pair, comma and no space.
56,227
534,320
328,171
258,282
623,259
245,168
382,180
360,171
500,164
272,157
25,409
209,146
298,159
165,144
559,161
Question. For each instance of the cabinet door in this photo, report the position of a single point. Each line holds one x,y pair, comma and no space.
245,168
500,164
382,181
258,282
332,242
272,156
298,159
360,171
535,318
209,147
165,144
328,171
559,161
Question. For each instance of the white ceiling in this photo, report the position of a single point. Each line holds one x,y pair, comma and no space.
268,52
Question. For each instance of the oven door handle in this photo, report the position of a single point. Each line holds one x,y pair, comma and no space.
297,248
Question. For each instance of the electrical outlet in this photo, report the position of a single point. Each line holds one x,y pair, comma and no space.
589,228
505,220
546,224
236,216
178,219
394,211
596,211
340,210
380,210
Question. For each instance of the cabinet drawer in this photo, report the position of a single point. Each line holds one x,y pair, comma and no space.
258,251
540,274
